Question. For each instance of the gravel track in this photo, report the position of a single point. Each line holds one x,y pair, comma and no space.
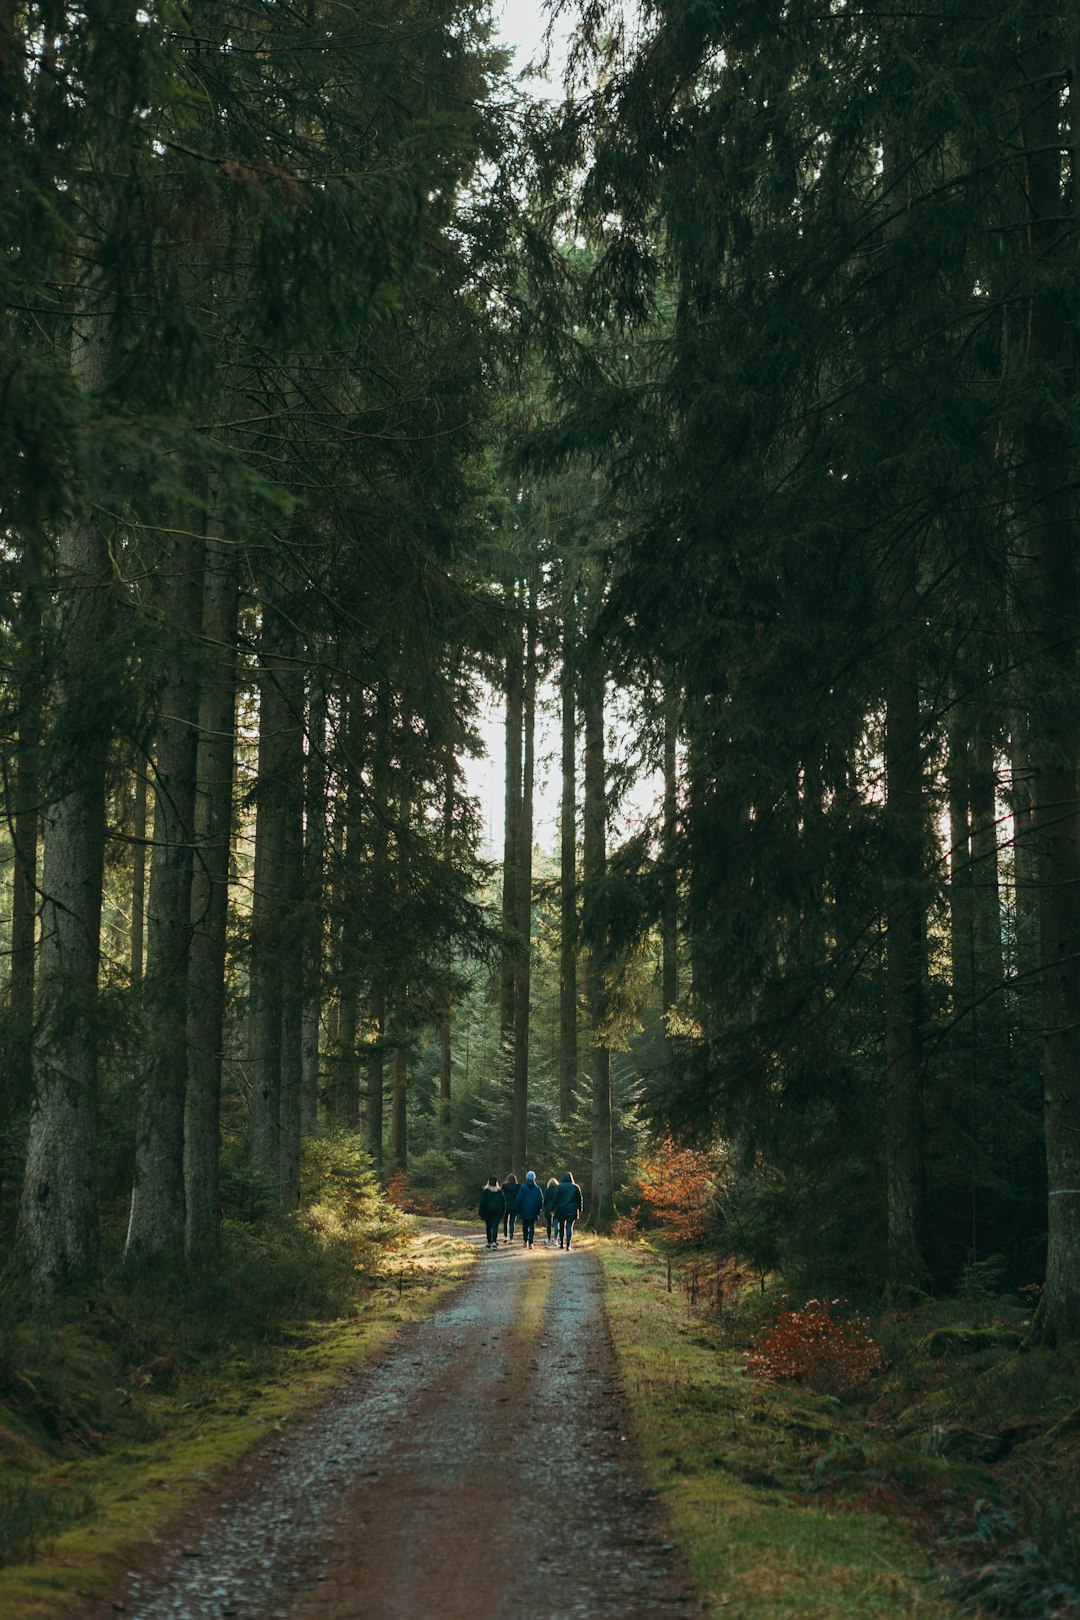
470,1467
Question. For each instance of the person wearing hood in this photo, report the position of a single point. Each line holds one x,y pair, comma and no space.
530,1201
549,1203
510,1191
492,1209
568,1205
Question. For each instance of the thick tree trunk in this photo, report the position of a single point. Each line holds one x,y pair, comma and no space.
594,865
58,1231
568,930
523,910
156,1223
210,901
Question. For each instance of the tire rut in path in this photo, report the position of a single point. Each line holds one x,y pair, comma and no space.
471,1467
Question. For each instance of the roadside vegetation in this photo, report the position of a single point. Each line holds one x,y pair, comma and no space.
817,1464
116,1408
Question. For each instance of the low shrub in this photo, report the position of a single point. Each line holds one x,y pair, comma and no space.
812,1346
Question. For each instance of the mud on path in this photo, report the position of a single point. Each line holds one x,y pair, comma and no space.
483,1461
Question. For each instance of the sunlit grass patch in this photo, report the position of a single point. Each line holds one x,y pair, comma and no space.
778,1510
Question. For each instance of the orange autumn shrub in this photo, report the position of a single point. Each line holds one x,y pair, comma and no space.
811,1346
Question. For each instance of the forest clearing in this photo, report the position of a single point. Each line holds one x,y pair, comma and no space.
540,646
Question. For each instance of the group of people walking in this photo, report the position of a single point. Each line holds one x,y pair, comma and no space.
502,1205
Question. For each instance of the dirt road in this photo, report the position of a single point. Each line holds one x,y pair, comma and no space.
480,1465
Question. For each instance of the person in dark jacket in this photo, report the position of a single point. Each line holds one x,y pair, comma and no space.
568,1202
530,1201
549,1203
492,1210
510,1191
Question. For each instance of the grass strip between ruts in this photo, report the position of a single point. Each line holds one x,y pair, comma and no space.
713,1441
135,1492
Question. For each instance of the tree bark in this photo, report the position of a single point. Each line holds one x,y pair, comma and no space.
904,947
265,1003
669,903
58,1232
523,907
210,900
23,819
568,929
315,831
293,928
594,866
515,701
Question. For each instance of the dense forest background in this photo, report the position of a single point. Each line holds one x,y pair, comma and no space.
729,408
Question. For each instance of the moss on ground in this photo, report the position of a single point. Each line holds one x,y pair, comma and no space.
92,1497
779,1504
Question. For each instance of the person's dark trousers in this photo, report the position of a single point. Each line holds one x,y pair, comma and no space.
493,1231
528,1231
512,1217
566,1232
550,1218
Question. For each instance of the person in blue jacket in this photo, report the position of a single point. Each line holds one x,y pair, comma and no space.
568,1203
492,1209
510,1189
530,1201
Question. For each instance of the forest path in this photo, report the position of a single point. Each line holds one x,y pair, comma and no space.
483,1462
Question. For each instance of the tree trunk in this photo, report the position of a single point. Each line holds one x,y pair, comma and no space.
447,1014
265,1003
669,902
156,1224
58,1232
594,865
138,876
293,927
523,910
399,1068
375,1066
315,828
568,930
904,924
210,901
515,701
23,817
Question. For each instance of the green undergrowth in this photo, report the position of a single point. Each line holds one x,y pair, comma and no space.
946,1484
115,1410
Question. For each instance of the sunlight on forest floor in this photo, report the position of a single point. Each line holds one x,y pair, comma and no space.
793,1503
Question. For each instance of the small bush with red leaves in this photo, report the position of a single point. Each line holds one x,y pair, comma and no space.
811,1346
413,1203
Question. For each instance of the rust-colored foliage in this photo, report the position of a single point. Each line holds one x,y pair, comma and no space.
676,1184
813,1347
398,1194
